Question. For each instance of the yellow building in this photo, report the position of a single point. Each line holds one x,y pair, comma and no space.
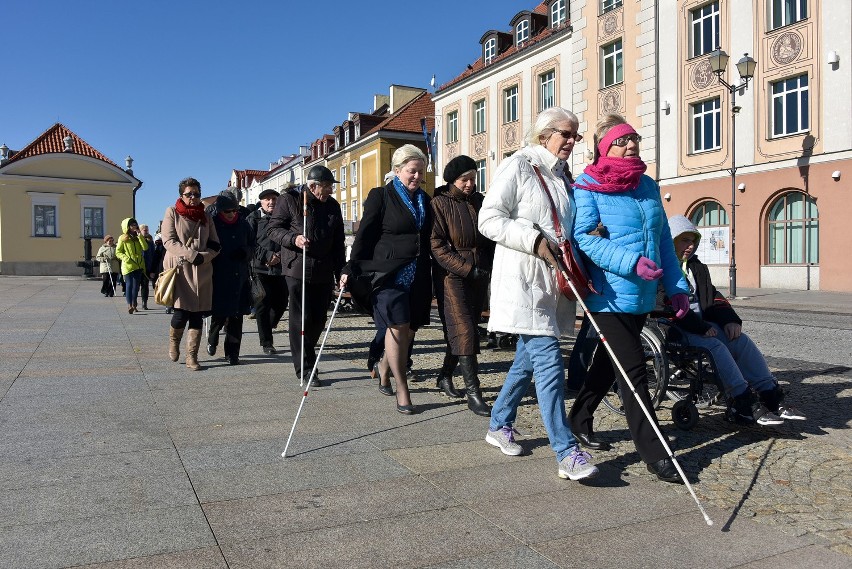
54,193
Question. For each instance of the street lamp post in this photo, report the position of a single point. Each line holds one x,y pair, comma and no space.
746,67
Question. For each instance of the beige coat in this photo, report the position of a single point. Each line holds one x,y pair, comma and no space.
194,285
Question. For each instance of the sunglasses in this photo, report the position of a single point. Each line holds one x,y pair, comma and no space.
230,210
192,195
623,140
567,134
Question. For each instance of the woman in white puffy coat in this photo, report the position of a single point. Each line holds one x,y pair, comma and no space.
525,297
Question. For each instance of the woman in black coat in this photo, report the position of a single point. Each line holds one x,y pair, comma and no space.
391,252
231,292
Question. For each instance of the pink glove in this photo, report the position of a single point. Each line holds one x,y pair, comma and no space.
647,269
680,302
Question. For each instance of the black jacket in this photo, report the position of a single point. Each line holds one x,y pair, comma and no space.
326,253
715,307
264,246
231,293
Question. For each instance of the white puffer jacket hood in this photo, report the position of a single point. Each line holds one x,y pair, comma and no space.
525,298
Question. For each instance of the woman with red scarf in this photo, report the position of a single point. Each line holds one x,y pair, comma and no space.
190,239
630,254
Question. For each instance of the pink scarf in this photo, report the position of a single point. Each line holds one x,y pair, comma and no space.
612,175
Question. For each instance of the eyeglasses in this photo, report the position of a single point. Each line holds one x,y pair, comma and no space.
192,195
623,140
567,134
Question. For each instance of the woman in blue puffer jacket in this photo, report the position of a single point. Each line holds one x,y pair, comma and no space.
630,253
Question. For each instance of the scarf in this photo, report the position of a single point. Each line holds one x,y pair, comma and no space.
224,219
192,213
611,175
405,275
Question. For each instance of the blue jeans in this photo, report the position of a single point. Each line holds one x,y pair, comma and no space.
739,363
539,356
132,280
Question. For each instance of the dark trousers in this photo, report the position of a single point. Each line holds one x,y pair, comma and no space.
233,326
143,287
109,284
181,318
268,314
317,299
622,332
132,281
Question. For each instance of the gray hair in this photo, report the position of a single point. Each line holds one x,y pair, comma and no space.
406,153
547,120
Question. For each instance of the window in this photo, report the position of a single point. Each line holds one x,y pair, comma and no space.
546,90
353,170
480,176
510,104
490,50
333,175
357,130
709,214
706,126
610,5
522,32
479,116
45,214
793,230
790,106
705,29
785,12
346,136
343,175
93,222
452,127
557,13
337,141
613,64
354,210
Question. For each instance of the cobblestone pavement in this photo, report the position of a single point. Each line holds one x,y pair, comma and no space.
796,476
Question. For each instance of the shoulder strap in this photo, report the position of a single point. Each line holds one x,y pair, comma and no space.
557,226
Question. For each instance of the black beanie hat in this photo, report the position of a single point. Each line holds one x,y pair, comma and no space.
458,166
225,202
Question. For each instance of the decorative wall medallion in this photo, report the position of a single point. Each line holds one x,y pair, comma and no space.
702,75
611,102
786,48
610,24
451,151
479,146
511,136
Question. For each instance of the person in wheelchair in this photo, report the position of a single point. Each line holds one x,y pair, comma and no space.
753,394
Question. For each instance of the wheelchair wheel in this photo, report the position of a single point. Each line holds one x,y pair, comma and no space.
656,368
684,415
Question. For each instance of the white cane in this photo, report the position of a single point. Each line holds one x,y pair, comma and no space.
313,371
635,395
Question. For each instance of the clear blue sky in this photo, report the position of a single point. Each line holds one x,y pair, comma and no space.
201,88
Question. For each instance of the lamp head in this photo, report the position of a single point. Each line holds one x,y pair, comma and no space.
746,67
718,61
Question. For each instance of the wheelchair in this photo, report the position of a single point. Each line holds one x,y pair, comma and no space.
676,371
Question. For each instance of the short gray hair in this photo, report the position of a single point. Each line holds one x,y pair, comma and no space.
547,120
406,153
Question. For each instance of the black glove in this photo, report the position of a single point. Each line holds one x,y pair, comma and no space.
198,260
214,246
478,274
546,250
238,254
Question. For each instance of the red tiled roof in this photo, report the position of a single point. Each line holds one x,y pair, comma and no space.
479,65
407,118
53,141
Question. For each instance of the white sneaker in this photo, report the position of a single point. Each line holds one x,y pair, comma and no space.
766,417
577,465
504,439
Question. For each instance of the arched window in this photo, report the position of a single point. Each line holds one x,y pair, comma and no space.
709,214
793,230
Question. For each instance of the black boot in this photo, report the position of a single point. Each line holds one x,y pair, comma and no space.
469,368
445,377
771,398
740,409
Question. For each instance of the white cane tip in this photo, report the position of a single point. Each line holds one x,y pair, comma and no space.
284,455
709,521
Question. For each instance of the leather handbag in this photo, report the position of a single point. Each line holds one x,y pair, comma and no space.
258,293
572,267
164,287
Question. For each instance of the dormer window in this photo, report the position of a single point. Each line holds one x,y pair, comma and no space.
357,130
337,140
490,50
558,13
346,136
522,32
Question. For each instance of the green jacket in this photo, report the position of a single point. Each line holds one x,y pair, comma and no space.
129,250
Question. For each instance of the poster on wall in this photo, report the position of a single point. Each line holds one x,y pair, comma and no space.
713,249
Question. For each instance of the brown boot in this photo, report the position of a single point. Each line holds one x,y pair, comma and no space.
193,340
175,334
